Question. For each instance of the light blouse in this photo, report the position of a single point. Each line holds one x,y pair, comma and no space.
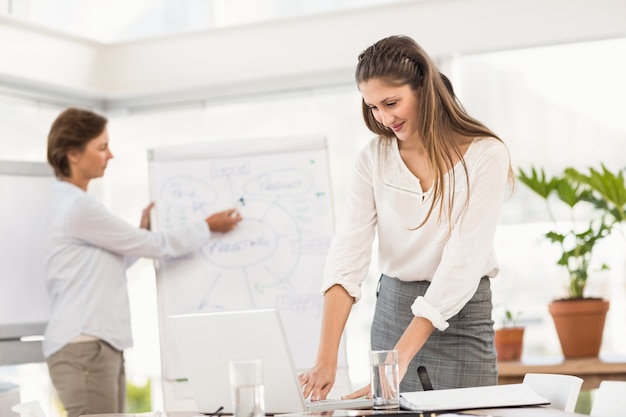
385,198
88,251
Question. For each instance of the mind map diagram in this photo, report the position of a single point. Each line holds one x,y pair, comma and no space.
275,255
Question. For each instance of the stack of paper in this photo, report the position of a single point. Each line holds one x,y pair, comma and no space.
493,396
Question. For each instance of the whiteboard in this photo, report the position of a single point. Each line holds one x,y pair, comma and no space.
274,257
24,306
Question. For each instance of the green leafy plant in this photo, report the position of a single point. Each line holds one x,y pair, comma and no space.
509,319
505,317
603,191
608,192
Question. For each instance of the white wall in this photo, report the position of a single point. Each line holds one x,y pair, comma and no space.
46,60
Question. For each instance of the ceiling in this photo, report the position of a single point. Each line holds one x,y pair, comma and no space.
111,21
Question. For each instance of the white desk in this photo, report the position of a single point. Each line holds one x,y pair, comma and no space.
495,412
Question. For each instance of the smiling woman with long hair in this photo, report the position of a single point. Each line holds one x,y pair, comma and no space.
430,185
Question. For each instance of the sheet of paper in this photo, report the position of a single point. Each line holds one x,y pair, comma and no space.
511,395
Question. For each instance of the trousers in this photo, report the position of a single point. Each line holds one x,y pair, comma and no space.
89,378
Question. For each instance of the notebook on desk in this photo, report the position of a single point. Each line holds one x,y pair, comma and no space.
207,342
492,396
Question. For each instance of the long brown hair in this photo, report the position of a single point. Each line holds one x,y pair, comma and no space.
399,60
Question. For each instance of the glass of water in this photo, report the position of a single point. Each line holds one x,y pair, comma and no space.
385,380
246,382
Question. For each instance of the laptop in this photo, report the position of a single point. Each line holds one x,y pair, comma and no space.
207,342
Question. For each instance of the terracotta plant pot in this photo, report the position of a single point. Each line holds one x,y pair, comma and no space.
579,325
509,343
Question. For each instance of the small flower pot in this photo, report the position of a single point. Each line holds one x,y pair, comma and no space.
509,343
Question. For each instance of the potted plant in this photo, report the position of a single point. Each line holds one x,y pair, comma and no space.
604,195
509,338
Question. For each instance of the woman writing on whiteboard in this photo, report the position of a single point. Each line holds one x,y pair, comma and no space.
88,252
430,185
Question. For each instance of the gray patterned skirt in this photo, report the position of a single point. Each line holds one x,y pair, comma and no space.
461,356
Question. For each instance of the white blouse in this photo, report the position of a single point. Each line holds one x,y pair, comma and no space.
88,251
386,199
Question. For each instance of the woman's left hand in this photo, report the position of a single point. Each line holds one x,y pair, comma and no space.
366,392
145,217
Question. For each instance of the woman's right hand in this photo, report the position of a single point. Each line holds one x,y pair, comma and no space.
223,221
318,381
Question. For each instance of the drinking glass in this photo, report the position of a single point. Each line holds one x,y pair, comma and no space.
385,381
247,391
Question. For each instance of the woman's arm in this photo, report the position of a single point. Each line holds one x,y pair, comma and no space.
319,380
91,222
346,266
411,342
468,254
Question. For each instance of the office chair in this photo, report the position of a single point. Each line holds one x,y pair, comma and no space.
561,390
610,400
